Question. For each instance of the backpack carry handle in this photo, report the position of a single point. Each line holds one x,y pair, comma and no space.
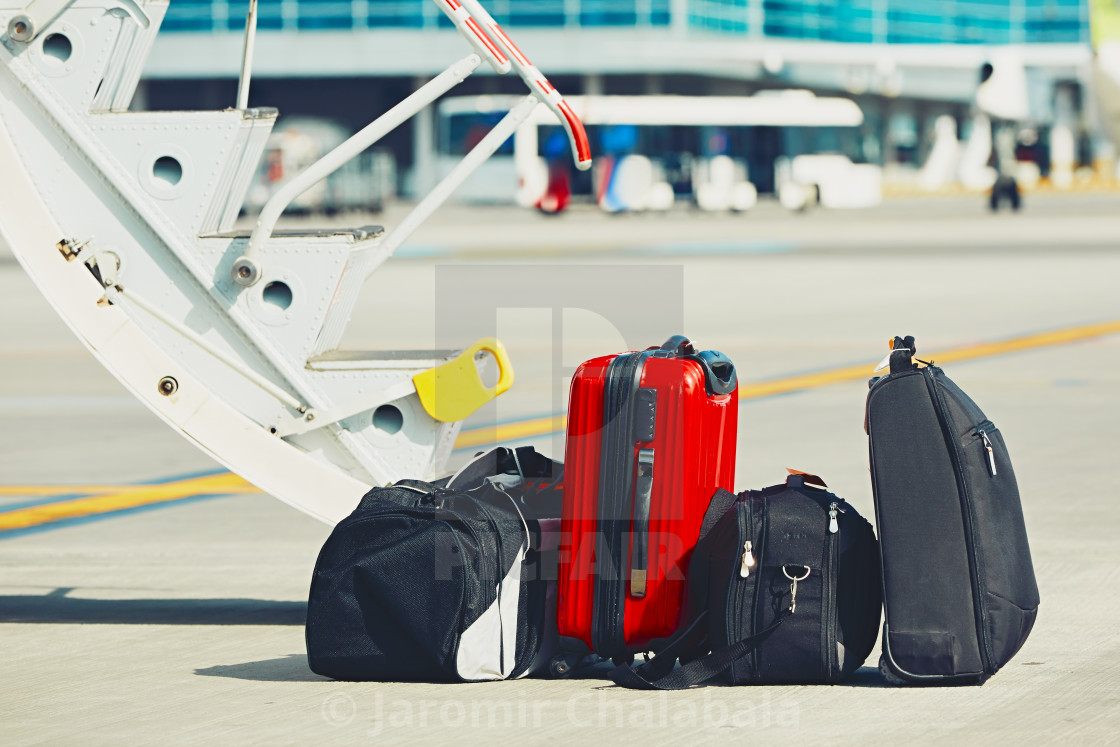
903,351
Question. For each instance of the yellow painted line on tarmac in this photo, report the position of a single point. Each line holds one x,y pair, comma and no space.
1029,342
953,355
490,434
805,381
787,384
129,497
99,499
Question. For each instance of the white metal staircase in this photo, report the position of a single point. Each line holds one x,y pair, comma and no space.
124,220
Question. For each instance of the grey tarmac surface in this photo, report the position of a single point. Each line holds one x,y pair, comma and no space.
183,624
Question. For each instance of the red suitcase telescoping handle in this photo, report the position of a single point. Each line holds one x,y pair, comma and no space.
639,555
680,345
719,378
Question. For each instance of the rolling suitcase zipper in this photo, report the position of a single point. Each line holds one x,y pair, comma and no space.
981,432
966,501
643,492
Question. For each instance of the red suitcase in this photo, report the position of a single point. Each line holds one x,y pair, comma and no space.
651,436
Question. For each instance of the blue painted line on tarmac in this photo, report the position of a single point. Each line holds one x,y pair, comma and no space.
722,248
479,448
729,247
423,251
1065,383
192,475
65,402
511,421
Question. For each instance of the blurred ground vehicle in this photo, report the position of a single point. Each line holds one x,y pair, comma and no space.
1106,70
364,183
720,152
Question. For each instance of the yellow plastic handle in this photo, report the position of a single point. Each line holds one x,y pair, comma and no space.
454,390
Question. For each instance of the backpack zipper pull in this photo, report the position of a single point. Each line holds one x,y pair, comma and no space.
748,559
833,524
991,452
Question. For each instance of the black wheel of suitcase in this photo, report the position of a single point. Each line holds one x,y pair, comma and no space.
560,667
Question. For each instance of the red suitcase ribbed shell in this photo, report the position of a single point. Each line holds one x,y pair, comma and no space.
694,443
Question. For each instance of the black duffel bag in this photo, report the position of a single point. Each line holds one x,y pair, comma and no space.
783,587
444,581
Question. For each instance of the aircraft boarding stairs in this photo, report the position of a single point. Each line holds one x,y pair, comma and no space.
125,222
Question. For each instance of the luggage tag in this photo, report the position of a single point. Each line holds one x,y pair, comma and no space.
808,479
899,342
899,345
883,363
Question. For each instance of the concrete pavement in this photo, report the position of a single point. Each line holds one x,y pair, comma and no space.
183,623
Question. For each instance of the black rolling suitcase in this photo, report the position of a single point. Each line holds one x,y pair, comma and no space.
959,589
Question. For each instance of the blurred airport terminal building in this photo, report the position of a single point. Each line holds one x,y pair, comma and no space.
911,66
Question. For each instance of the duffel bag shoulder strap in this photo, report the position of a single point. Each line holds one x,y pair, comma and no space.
401,493
531,463
693,638
721,502
658,673
475,472
524,463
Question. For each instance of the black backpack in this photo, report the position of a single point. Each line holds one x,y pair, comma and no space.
783,587
958,584
442,582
